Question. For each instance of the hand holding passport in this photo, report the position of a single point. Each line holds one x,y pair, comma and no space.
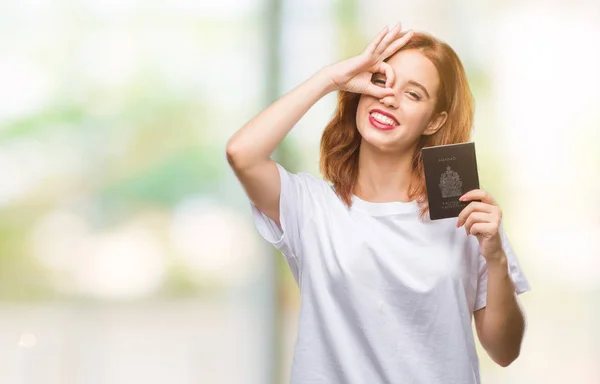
450,172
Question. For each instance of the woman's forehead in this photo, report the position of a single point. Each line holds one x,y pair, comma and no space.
413,65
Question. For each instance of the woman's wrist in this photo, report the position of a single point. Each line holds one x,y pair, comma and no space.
323,78
497,263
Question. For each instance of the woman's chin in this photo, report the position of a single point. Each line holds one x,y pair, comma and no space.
383,141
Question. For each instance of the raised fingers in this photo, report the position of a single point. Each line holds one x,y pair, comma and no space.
389,37
375,42
397,44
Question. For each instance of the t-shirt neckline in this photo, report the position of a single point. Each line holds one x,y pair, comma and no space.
386,208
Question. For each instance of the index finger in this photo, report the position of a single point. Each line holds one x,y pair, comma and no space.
478,194
388,71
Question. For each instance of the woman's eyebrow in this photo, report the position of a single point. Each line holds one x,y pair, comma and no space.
419,86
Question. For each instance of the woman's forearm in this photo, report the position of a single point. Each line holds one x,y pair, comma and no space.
503,324
259,138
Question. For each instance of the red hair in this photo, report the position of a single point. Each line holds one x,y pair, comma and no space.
340,143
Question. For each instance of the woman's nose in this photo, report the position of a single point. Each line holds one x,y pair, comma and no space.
389,101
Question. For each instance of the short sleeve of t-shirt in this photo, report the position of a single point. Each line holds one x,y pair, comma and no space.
296,205
519,280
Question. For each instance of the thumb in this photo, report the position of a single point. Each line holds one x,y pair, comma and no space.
378,91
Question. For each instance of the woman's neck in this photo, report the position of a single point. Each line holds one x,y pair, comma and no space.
383,177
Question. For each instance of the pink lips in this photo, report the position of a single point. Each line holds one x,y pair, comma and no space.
379,125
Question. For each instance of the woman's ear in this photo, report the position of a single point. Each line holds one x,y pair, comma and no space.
436,124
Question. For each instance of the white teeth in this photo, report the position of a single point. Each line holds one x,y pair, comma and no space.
383,119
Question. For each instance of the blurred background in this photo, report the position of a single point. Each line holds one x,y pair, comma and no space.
127,250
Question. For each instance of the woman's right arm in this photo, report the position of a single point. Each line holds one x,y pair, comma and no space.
249,149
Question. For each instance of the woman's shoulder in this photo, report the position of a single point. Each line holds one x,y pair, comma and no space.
309,184
304,177
314,181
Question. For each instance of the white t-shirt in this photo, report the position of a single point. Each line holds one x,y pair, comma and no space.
385,297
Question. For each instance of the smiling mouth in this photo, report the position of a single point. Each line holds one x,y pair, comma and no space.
381,121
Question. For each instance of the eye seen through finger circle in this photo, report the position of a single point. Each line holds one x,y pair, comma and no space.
379,79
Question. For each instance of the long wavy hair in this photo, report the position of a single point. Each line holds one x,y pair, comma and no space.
340,143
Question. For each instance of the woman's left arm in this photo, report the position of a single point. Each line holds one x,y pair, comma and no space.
501,324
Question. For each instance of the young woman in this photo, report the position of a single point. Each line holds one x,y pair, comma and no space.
387,295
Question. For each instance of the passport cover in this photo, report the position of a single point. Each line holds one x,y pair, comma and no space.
450,172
